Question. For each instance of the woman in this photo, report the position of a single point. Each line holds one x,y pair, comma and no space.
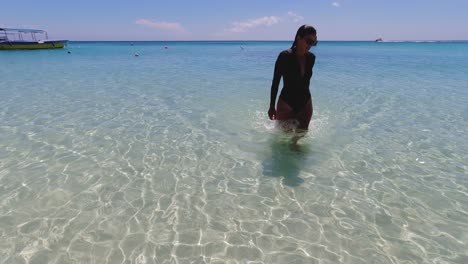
295,66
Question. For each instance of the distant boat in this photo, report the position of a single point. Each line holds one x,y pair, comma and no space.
379,40
14,38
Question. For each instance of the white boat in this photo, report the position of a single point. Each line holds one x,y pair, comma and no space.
15,38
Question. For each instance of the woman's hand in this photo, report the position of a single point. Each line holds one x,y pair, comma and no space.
272,113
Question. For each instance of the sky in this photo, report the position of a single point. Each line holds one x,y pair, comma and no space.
240,19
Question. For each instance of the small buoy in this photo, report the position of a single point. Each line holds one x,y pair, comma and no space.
166,47
69,52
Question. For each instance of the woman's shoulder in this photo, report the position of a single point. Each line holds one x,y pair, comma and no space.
286,52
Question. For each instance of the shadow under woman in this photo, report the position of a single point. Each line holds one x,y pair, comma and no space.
286,160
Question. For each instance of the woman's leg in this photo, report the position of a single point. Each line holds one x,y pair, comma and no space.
285,115
304,117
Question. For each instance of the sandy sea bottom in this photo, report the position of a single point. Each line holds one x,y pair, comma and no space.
169,157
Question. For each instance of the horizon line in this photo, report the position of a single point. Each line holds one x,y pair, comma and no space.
260,40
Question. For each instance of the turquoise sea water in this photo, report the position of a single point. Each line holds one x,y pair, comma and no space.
169,157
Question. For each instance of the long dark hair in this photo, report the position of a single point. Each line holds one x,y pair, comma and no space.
303,31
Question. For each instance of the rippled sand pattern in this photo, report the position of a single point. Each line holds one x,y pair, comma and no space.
116,172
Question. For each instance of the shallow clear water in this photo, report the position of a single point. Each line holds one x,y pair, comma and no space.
169,157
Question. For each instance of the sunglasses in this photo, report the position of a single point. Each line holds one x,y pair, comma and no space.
311,42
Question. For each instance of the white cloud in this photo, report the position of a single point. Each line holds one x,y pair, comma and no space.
336,4
295,17
266,21
245,26
171,26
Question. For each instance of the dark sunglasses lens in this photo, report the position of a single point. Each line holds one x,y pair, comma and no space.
311,42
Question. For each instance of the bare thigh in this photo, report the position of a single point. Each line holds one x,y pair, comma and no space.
284,112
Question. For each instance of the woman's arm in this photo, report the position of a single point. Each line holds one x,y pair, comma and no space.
276,80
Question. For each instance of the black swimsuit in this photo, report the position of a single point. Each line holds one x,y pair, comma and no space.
295,90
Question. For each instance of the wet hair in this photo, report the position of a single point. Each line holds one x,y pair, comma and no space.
303,31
